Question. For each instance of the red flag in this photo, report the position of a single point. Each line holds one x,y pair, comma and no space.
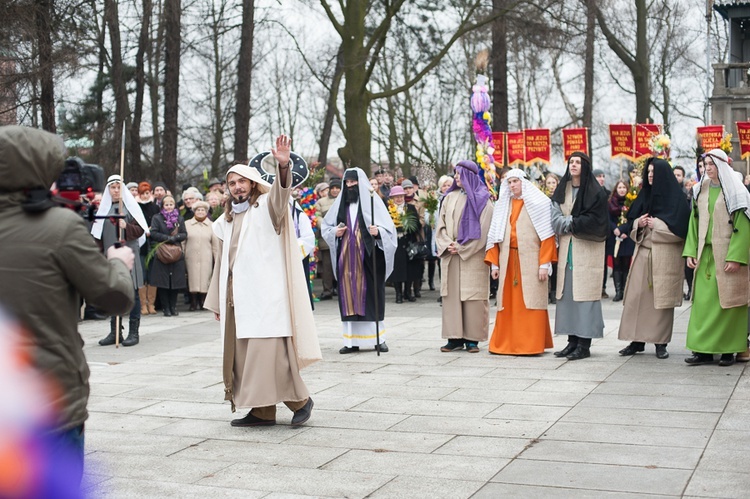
643,134
622,141
575,140
498,143
743,134
516,148
537,145
710,136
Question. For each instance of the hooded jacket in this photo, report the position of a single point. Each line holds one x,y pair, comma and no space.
47,259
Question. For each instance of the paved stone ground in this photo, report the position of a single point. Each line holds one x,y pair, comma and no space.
416,422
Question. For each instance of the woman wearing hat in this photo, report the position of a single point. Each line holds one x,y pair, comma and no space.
405,271
201,249
168,277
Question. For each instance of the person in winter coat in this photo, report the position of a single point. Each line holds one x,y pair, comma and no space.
168,227
201,249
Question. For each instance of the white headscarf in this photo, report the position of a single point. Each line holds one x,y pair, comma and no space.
130,203
383,220
537,204
735,193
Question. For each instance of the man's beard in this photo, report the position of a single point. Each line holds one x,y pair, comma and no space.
351,194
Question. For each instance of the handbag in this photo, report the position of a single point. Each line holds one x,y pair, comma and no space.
169,253
418,250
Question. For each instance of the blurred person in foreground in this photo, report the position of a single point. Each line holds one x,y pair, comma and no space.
49,258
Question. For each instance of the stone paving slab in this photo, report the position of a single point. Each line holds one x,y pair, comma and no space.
416,422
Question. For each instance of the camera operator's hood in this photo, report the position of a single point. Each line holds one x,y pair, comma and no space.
29,159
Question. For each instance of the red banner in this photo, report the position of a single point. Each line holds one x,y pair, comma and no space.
498,144
575,140
743,134
538,145
710,136
643,134
622,141
516,148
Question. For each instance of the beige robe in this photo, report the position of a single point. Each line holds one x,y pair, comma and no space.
465,285
666,264
201,249
588,261
654,285
535,295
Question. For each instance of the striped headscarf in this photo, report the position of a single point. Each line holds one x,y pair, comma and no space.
537,204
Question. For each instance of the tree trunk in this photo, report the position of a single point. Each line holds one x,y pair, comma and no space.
244,78
44,39
499,61
325,136
588,71
218,131
172,15
153,54
136,170
356,151
98,136
642,77
122,108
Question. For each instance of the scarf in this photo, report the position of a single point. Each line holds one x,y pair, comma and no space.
171,218
240,207
590,217
537,205
477,195
736,196
666,202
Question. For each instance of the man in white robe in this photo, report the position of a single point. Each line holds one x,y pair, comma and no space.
258,294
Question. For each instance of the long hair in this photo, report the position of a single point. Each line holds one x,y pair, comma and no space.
252,199
613,194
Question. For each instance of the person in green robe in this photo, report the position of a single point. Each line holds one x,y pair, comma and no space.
717,247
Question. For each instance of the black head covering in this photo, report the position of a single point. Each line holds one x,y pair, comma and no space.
590,217
666,202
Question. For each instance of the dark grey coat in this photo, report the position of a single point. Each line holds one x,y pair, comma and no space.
173,275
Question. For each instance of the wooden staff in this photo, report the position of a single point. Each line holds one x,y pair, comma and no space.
375,274
120,231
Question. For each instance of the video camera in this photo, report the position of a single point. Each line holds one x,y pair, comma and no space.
77,185
79,179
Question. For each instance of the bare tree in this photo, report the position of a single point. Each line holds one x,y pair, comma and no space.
244,79
172,21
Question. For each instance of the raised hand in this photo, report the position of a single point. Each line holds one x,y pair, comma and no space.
282,150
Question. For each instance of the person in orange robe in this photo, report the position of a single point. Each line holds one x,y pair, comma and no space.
520,249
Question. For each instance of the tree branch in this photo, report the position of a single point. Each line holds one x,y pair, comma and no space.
336,24
463,29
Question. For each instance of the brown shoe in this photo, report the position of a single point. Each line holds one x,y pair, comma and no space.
743,356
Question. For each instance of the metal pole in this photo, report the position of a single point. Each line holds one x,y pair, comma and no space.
120,231
375,274
706,116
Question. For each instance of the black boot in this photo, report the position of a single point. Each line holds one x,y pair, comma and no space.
632,349
201,300
407,292
110,338
399,287
619,285
173,301
431,264
572,344
582,350
164,300
418,288
132,338
193,302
